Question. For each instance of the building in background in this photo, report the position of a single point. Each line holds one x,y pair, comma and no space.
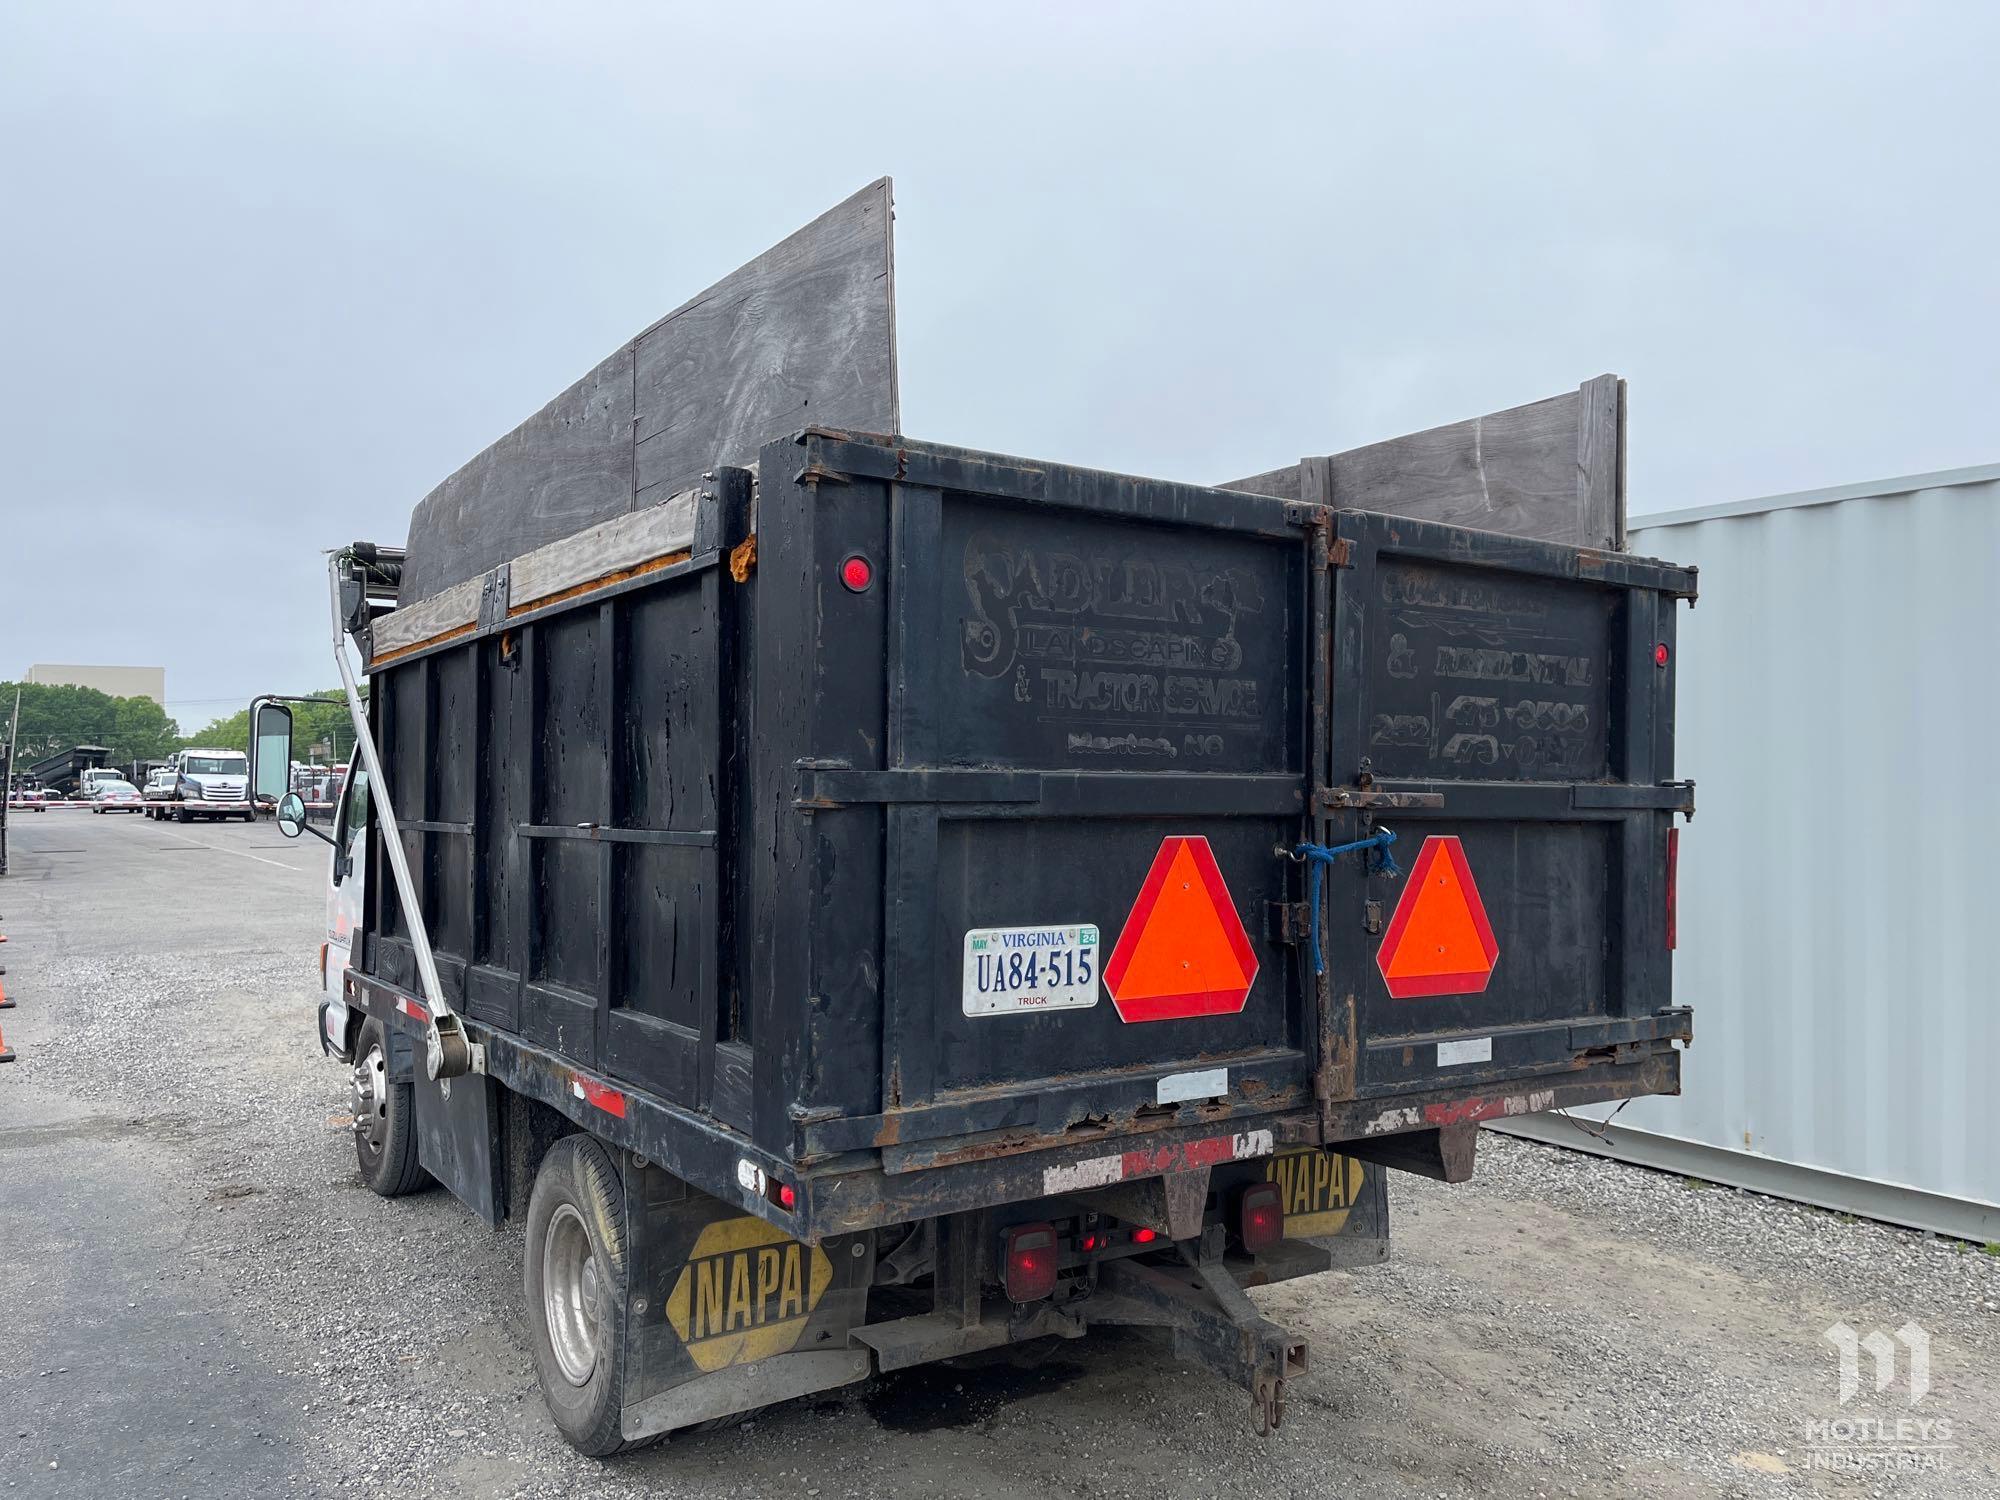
1838,707
119,682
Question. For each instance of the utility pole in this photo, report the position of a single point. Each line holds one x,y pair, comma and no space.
7,774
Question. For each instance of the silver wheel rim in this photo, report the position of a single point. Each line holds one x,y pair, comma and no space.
572,1295
371,1100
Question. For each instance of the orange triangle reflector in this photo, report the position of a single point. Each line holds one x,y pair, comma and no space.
1183,951
1439,941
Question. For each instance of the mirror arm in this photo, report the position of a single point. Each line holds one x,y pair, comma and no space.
319,833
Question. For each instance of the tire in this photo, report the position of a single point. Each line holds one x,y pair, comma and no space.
182,815
577,1213
385,1120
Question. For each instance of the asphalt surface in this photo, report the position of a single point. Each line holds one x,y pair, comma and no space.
198,1298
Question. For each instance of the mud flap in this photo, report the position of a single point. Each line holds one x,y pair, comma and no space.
726,1312
1333,1203
458,1138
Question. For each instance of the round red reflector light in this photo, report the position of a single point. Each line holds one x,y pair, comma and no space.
1660,654
1144,1236
857,573
788,1196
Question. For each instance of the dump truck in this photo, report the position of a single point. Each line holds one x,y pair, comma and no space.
860,901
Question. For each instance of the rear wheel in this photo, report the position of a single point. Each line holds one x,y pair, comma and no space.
182,815
385,1123
575,1280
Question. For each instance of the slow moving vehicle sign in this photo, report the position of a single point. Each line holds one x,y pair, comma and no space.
1439,941
1183,951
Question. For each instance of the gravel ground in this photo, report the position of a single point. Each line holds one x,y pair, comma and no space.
200,1299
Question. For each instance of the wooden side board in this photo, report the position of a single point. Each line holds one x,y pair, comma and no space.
610,548
803,335
1553,470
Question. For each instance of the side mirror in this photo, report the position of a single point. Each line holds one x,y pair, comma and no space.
291,815
271,753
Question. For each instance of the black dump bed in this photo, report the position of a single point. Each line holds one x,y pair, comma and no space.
892,829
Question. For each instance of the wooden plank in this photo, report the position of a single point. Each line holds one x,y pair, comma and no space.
456,606
608,547
565,468
804,334
1550,470
1283,483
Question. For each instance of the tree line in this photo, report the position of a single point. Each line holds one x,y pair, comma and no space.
58,717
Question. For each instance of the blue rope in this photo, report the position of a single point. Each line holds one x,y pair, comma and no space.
1320,856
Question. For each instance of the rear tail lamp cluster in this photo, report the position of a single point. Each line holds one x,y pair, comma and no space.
1260,1217
1030,1267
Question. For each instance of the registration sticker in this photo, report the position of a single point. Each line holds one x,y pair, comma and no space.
1013,969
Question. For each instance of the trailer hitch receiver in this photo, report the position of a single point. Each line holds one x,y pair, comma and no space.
1211,1322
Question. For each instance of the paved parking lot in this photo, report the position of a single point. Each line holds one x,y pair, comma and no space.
198,1298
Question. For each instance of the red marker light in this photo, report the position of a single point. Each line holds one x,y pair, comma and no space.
1660,654
1260,1217
1091,1242
1030,1262
857,573
787,1196
1144,1236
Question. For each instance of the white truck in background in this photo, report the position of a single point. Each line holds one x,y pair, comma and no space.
206,784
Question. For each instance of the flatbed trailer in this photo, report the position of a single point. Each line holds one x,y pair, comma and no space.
884,900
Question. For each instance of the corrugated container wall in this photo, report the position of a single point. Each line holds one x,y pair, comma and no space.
1839,709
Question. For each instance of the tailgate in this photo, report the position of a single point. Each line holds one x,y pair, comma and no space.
1506,708
1102,711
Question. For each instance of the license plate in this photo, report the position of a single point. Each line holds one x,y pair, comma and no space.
1010,969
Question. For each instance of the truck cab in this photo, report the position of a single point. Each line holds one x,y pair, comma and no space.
92,779
347,879
212,783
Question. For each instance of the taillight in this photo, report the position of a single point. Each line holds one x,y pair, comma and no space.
322,965
1260,1217
1660,654
1673,887
1030,1267
1144,1236
857,572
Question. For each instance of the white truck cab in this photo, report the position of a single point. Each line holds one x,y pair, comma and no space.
211,783
347,881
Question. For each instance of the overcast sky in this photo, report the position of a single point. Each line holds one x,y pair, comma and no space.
273,270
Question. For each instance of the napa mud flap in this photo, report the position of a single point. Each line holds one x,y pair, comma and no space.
1334,1203
726,1312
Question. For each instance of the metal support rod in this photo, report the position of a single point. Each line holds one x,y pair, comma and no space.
440,1060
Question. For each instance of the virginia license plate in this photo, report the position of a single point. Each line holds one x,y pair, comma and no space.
1010,969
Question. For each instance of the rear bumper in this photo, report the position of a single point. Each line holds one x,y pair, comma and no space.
853,1191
